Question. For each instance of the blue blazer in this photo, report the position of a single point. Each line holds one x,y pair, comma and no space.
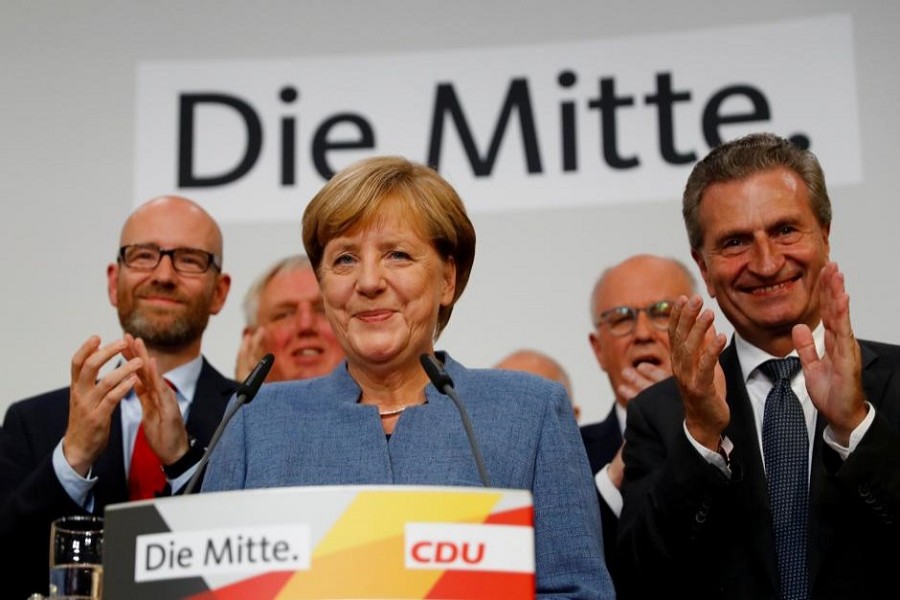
314,432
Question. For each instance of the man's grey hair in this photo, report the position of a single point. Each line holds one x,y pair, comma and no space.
294,262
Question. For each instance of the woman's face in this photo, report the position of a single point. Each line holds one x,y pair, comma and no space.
383,284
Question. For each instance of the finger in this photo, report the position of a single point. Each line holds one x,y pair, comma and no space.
701,333
154,393
835,308
90,367
683,355
129,346
675,317
245,360
115,377
147,374
113,395
258,344
84,351
805,345
636,380
653,372
839,303
709,358
627,391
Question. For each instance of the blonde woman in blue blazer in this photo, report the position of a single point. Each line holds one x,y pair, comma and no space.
392,248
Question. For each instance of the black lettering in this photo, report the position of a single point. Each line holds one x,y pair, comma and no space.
322,145
225,555
712,120
154,557
518,98
569,141
280,551
288,140
608,103
664,99
186,134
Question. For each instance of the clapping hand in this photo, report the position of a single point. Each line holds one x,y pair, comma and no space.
695,363
162,420
92,400
833,380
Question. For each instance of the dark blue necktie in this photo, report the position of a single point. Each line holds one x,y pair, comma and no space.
786,446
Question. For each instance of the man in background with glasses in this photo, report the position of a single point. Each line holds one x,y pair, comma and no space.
77,449
630,307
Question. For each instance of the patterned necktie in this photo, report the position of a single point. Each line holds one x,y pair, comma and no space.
145,476
786,446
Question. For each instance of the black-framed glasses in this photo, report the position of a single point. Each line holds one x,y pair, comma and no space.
621,320
146,257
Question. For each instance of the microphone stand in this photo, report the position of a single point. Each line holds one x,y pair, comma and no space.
444,384
245,393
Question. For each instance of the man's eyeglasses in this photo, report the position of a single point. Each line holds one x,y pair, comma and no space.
621,320
146,257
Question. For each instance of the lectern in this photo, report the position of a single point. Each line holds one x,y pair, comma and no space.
323,542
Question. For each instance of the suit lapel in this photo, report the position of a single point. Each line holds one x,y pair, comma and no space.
742,427
753,496
602,440
210,400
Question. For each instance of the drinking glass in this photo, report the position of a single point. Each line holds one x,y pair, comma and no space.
76,554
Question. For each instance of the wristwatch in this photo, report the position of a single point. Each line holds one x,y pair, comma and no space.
187,460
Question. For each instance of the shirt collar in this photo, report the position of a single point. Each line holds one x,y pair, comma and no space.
750,357
184,377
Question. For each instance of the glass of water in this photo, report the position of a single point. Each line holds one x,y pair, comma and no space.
76,558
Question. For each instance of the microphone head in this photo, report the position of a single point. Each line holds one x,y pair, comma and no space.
436,373
256,377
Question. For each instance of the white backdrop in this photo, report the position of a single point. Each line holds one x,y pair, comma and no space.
67,123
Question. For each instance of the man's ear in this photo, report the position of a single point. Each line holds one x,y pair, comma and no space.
112,283
220,293
597,347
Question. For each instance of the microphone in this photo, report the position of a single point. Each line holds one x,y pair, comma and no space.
444,384
246,391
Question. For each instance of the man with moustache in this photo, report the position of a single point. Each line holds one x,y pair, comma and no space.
285,316
630,307
77,449
769,468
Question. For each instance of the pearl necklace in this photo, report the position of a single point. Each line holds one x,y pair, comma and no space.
391,413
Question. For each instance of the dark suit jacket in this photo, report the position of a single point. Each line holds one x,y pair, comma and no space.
602,441
31,496
688,531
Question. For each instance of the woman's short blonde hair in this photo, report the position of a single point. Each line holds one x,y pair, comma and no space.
358,196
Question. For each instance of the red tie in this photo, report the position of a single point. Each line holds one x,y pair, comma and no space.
145,476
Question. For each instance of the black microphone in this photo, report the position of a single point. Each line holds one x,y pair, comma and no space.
246,391
444,384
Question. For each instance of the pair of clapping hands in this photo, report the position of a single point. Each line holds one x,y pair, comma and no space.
93,399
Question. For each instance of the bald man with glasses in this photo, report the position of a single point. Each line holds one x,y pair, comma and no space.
630,307
96,442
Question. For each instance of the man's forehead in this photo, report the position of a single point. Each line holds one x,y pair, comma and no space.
171,222
637,290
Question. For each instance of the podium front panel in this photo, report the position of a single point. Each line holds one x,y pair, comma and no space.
323,542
